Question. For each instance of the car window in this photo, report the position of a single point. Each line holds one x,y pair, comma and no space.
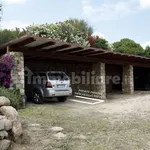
58,76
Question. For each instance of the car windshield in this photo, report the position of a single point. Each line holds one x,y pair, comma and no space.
58,76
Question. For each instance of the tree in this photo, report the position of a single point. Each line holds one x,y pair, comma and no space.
97,42
128,46
7,35
62,31
147,51
81,25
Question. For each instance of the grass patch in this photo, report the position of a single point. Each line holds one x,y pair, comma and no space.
101,133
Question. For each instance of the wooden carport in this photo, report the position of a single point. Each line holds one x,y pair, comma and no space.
38,47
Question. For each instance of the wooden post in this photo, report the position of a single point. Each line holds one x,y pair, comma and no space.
8,49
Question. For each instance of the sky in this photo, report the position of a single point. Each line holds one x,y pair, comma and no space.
110,19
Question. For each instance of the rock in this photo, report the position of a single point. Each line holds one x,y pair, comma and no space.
57,129
3,134
60,136
4,101
80,137
9,112
5,144
5,124
17,130
8,124
2,117
2,125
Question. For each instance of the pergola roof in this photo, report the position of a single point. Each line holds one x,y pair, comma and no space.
39,47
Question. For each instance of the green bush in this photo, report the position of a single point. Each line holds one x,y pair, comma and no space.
13,95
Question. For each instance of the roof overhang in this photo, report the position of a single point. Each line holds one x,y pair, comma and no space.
38,47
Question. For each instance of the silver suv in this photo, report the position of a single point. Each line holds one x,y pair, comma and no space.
50,84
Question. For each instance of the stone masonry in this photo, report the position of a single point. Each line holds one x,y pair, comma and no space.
17,73
100,85
128,80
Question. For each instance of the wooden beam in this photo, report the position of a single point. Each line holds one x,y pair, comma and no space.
22,43
60,56
93,52
50,43
82,51
56,47
97,54
68,50
83,59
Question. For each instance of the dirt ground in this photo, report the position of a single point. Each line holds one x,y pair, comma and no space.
121,123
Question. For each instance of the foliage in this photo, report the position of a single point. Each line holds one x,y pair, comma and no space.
4,76
8,35
81,25
6,64
147,51
13,95
128,46
99,42
64,32
0,11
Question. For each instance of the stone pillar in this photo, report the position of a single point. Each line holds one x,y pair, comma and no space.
17,74
128,80
99,85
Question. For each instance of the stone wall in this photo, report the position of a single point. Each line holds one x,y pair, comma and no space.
128,80
11,131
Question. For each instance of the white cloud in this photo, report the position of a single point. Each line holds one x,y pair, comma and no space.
98,34
145,4
13,24
145,44
112,11
13,1
109,11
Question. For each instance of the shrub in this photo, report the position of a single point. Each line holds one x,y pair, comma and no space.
13,95
6,64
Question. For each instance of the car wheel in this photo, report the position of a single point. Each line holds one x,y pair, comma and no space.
37,97
62,99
